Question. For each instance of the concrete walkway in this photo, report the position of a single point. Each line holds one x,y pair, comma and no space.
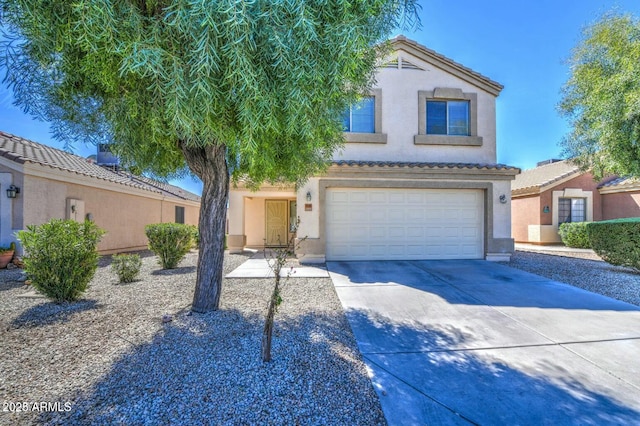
258,267
475,342
552,248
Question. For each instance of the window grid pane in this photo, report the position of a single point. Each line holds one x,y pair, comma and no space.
346,120
458,118
564,210
436,118
577,210
363,116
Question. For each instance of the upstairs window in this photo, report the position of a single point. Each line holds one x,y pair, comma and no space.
361,117
448,118
571,210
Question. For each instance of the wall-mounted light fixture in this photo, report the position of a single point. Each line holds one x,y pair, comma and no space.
308,195
503,199
12,191
545,209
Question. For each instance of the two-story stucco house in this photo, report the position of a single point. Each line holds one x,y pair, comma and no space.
416,179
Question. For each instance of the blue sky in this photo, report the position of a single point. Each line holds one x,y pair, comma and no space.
521,44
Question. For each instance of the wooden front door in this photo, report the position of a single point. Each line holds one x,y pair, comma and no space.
277,218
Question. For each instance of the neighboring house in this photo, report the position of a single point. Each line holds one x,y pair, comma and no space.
56,184
557,191
416,179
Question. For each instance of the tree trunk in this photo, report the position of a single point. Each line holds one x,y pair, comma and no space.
210,165
267,331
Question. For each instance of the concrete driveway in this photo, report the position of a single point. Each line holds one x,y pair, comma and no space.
475,342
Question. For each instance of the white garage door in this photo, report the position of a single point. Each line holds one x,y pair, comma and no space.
387,224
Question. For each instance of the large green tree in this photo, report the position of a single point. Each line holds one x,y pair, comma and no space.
229,88
602,98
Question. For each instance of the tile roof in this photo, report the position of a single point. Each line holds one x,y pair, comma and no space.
620,182
541,176
167,188
23,151
477,166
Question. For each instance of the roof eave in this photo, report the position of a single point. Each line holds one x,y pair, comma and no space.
446,64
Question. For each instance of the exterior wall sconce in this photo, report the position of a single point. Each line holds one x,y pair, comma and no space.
12,191
545,209
503,199
308,195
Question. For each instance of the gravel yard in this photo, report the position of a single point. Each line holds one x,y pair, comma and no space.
583,270
109,359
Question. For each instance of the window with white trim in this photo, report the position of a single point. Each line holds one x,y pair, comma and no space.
571,210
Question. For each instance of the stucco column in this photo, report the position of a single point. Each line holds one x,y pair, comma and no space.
6,211
236,238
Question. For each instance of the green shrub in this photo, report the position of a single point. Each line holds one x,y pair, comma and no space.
617,241
169,241
126,266
195,235
574,234
61,257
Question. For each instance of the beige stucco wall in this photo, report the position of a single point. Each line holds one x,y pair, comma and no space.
399,92
255,224
309,220
246,215
525,213
122,215
620,204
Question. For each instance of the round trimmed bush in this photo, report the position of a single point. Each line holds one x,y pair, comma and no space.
574,234
61,257
170,242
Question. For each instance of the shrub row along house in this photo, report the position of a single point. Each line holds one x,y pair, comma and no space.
417,178
558,191
45,183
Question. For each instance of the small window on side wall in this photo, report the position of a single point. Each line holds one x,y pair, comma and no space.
179,214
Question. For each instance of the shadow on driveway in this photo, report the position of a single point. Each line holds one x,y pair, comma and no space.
474,342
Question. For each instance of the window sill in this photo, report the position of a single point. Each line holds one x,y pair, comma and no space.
351,137
447,140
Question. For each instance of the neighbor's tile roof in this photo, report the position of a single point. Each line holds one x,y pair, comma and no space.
620,182
168,188
23,151
538,177
478,166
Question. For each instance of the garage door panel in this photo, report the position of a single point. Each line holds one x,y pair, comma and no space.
379,216
358,197
378,223
377,197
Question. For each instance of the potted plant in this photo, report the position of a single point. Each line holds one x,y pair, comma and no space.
6,254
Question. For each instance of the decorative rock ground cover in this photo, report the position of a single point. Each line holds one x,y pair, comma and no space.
110,358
